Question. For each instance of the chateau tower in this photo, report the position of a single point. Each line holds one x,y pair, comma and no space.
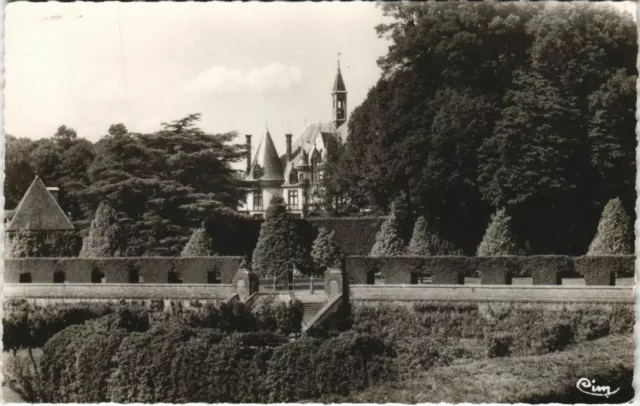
339,96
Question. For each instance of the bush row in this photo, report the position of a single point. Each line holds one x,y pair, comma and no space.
179,364
545,269
30,326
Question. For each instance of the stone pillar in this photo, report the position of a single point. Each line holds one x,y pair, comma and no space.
246,283
333,282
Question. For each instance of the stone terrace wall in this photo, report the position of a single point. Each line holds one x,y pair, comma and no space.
194,270
545,269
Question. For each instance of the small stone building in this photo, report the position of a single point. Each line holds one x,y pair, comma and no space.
39,214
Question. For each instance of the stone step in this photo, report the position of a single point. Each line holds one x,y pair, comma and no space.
310,310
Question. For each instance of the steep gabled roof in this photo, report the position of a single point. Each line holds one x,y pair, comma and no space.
39,211
266,161
338,83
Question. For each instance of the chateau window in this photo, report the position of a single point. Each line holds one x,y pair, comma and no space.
292,199
293,177
300,177
25,277
257,200
320,175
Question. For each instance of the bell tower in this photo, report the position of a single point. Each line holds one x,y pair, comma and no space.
339,96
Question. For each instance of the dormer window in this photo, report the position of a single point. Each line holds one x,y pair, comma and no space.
293,177
258,172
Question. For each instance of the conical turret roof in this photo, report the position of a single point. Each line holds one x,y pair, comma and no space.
338,83
266,163
39,211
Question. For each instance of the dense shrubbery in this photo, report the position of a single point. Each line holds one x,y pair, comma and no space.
29,326
549,378
430,334
178,364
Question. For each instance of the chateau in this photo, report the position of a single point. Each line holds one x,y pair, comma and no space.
297,174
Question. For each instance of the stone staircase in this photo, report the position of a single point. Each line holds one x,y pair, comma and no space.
310,311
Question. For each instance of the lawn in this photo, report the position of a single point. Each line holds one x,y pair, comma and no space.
549,378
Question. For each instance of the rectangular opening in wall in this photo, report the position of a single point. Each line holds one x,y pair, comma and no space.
97,276
25,277
59,277
174,277
134,276
213,277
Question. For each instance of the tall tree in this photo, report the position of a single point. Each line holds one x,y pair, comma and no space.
279,250
614,236
166,183
612,135
104,239
65,136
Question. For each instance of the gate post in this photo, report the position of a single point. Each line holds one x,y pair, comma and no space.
246,283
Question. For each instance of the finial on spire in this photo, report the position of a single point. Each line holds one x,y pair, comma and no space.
339,53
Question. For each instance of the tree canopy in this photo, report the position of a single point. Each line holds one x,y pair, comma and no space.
162,185
481,105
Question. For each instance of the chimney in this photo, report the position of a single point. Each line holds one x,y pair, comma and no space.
248,136
54,192
288,147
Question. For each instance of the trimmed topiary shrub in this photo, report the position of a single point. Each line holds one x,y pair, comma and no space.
198,245
613,236
425,241
104,235
279,249
388,241
499,239
325,253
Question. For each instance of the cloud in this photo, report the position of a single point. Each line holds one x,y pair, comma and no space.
221,80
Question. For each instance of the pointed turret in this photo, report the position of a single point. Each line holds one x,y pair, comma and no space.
339,96
266,163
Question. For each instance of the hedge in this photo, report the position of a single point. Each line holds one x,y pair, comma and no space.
603,270
178,364
545,269
30,326
117,270
238,236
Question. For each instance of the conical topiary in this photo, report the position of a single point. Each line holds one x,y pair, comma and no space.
104,235
613,236
499,239
198,245
325,253
278,250
425,241
388,241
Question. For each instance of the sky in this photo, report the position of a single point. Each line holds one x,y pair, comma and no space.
243,66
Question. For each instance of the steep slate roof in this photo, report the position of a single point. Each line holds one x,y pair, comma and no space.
39,211
267,159
338,84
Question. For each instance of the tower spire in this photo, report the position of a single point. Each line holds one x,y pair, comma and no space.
339,96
